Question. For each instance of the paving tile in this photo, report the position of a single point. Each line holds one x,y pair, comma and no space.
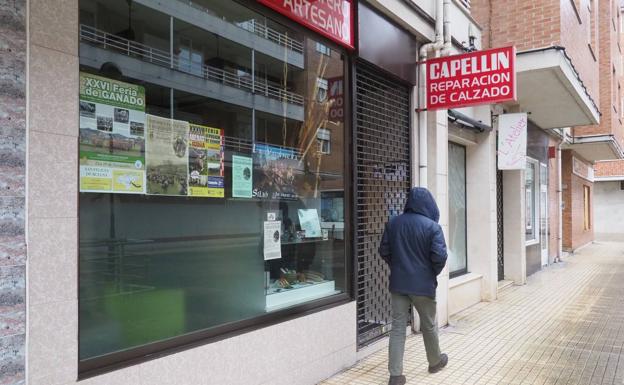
566,326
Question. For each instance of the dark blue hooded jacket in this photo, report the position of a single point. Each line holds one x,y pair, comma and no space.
414,247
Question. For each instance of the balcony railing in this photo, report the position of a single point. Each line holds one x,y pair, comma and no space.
165,59
270,34
465,3
258,29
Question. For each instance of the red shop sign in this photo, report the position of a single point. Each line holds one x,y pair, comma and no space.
481,77
336,96
331,18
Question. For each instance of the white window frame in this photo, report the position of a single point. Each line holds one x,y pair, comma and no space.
322,93
323,136
323,49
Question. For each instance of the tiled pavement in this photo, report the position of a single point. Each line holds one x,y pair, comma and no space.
566,326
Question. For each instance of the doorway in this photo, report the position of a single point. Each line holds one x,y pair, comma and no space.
383,180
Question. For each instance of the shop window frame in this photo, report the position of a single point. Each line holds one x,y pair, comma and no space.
118,360
535,203
463,271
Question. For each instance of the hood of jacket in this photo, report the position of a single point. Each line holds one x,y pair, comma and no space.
420,201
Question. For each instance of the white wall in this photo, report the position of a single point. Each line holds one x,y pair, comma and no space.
301,351
608,211
404,14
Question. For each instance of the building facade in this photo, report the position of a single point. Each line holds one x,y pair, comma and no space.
608,173
609,205
565,44
202,183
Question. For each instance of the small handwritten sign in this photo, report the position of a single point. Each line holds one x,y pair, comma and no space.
512,141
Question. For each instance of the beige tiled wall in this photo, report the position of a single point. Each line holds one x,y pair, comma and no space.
52,328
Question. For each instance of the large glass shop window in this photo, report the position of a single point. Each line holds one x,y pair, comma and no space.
209,190
458,246
531,200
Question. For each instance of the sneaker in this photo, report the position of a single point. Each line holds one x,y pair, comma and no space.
443,361
397,380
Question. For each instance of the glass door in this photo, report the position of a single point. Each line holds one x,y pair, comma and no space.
458,247
544,212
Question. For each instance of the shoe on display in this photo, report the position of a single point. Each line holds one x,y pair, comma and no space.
397,380
437,367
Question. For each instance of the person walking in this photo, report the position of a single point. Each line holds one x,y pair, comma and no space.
413,246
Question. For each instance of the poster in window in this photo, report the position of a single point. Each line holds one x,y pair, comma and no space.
112,136
278,170
272,240
205,164
309,222
167,156
242,177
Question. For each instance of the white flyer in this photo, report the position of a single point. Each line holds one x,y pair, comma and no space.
309,221
272,240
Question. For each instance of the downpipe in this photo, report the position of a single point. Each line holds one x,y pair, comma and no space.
560,201
441,45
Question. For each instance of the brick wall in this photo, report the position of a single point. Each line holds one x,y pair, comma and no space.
581,45
541,23
609,168
574,234
12,190
525,24
480,11
610,58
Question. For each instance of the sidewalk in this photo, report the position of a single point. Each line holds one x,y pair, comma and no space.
566,326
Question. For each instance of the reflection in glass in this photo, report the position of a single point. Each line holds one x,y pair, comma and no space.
457,209
530,200
156,267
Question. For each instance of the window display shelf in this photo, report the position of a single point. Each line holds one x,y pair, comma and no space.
298,294
307,240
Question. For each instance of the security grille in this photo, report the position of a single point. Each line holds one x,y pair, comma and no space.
382,183
499,225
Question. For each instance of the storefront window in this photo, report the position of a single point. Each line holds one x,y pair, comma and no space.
206,198
531,201
458,250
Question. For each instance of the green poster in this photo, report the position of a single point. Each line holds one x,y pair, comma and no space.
112,135
242,178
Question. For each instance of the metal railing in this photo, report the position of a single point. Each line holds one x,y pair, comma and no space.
465,3
270,34
162,58
258,29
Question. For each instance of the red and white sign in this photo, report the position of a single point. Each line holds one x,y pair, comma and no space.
331,18
336,96
481,77
512,141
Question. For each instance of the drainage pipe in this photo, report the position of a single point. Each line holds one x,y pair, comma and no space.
560,200
426,49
